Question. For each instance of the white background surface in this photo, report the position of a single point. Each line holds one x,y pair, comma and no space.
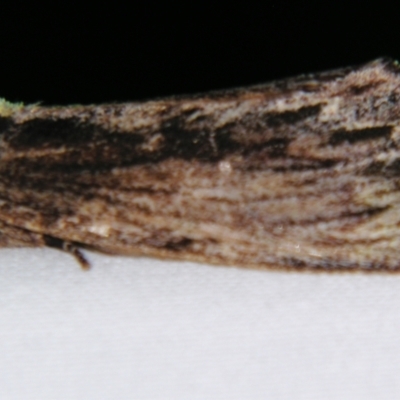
137,328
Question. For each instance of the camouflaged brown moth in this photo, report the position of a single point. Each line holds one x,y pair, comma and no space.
298,173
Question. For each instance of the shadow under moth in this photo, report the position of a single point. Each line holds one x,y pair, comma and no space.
298,173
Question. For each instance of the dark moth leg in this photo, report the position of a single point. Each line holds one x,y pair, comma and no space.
68,247
12,236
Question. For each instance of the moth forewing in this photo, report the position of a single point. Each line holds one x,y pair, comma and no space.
299,173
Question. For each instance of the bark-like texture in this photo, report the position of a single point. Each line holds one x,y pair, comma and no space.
301,173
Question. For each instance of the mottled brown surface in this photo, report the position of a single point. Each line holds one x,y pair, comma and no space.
299,173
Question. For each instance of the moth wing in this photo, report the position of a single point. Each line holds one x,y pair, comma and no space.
295,173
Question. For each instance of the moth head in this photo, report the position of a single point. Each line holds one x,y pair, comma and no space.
7,109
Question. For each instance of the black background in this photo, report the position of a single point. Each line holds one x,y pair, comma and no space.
72,52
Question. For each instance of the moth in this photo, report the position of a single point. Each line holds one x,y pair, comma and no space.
298,173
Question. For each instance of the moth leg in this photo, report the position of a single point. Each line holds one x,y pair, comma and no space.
69,247
13,236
